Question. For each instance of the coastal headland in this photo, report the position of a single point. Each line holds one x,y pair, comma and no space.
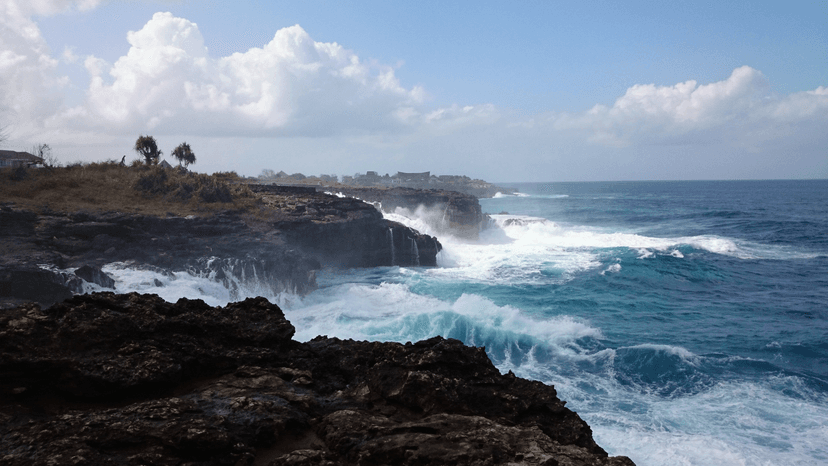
282,235
107,378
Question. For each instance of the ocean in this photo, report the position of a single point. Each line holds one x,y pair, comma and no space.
686,322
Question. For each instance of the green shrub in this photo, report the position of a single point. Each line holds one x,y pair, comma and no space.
153,182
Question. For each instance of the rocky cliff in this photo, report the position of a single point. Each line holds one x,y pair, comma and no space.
455,213
344,231
282,245
131,379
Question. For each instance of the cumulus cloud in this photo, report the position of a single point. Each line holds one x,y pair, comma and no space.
743,104
29,85
293,85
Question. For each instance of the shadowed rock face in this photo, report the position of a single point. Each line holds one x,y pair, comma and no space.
132,379
461,213
345,232
293,236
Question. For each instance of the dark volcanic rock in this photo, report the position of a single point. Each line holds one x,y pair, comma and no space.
295,234
203,246
23,283
95,275
131,379
456,213
345,232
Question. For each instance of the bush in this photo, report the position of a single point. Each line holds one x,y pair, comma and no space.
213,191
153,182
18,173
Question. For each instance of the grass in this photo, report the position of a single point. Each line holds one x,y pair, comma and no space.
139,188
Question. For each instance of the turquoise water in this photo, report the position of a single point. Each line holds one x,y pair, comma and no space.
687,322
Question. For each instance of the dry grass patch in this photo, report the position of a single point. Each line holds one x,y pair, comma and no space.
149,190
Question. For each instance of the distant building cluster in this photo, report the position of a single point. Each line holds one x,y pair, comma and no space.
422,180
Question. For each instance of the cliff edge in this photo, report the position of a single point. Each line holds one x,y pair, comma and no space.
450,212
282,243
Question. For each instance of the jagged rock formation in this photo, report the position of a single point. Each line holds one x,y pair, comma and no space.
457,213
84,241
345,231
131,379
283,246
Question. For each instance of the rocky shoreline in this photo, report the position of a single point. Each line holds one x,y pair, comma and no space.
116,379
295,233
111,379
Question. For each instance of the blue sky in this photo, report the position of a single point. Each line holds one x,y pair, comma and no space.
506,91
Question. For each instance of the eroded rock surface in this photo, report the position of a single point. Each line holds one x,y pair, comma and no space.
44,254
131,379
452,212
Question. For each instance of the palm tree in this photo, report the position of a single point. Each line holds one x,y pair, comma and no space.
147,147
184,154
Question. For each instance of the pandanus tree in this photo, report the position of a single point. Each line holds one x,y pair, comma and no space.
148,148
184,154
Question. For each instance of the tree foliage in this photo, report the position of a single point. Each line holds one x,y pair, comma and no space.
184,154
148,148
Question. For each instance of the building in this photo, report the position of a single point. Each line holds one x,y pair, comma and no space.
10,158
423,177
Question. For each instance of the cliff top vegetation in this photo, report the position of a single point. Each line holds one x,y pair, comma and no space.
140,188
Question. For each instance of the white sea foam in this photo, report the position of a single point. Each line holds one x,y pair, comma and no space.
733,423
686,356
393,312
535,250
614,268
500,195
183,284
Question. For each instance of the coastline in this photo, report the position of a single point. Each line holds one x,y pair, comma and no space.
54,257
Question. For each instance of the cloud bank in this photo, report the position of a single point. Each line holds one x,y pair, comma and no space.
741,107
168,83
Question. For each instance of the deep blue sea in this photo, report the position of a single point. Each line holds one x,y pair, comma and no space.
686,322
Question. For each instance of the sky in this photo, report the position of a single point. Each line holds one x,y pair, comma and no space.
503,91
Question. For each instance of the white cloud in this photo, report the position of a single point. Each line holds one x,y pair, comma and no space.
29,85
292,85
741,108
68,55
51,7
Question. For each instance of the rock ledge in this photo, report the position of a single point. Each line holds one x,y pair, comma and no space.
131,379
